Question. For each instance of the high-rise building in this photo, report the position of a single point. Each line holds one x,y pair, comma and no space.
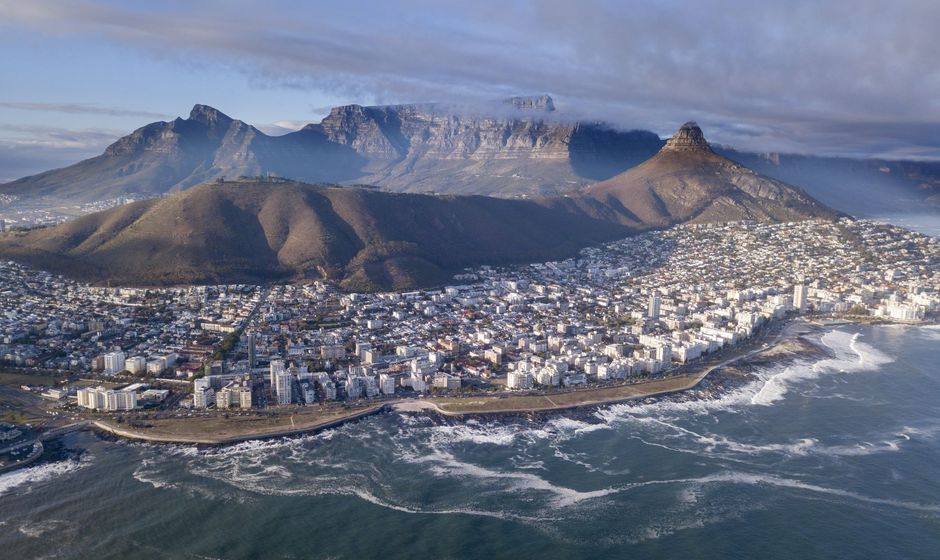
277,368
244,397
99,398
387,384
114,362
799,297
135,364
203,397
519,380
329,390
653,310
284,385
233,395
91,398
664,354
251,350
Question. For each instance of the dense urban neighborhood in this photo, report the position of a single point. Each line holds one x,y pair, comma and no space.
639,308
16,214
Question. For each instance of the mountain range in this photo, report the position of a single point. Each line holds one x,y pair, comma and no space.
521,148
256,230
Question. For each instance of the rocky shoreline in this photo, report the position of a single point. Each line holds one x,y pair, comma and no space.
797,340
796,344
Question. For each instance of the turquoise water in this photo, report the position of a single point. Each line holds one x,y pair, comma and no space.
829,458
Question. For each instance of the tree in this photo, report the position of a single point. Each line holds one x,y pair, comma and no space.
858,309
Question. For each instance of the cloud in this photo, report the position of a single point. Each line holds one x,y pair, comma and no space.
81,108
280,128
89,139
28,149
797,76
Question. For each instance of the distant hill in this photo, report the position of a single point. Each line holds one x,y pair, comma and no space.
258,231
523,147
275,230
688,182
857,186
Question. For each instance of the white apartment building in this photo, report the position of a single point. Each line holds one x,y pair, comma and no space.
654,304
387,384
114,362
284,385
135,364
277,368
203,397
519,380
799,297
99,398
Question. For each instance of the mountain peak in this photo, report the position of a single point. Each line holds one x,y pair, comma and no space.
688,138
208,115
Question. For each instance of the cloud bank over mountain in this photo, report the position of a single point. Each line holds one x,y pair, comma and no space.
839,78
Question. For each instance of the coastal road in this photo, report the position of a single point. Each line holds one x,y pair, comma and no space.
653,387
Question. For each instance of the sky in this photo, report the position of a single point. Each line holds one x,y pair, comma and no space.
854,78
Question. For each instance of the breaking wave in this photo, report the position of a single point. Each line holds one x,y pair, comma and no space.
851,355
562,474
30,476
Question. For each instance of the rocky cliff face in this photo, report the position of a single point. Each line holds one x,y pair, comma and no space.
688,138
525,149
400,132
519,148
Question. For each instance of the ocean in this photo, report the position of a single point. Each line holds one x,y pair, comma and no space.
833,457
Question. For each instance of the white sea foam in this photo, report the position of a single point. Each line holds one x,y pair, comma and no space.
567,425
768,480
489,434
146,474
37,529
445,464
372,499
931,332
38,474
850,355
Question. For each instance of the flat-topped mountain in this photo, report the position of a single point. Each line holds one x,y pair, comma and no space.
523,146
407,148
269,230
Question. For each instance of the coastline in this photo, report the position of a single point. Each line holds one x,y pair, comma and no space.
167,435
602,396
508,405
789,342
